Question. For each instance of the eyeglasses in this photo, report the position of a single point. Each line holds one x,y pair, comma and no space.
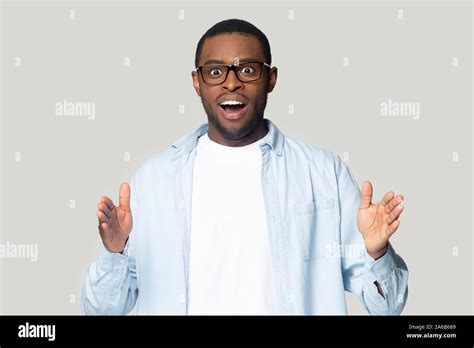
216,74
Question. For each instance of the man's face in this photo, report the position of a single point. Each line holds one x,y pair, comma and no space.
247,126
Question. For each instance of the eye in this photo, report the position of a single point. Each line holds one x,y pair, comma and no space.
247,70
216,72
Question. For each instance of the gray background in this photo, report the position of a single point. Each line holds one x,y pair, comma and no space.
138,112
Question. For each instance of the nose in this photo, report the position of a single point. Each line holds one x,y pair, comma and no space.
232,83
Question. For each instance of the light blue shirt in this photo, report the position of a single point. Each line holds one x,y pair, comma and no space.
317,252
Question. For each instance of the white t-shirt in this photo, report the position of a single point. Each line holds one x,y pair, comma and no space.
230,268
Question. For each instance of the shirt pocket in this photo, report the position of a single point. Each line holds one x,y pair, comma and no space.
315,224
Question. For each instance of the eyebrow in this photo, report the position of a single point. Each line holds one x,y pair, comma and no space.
215,61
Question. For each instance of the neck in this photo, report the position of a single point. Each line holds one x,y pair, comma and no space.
258,133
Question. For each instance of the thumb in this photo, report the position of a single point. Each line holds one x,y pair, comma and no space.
124,196
366,195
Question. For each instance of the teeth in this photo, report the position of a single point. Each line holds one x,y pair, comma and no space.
232,102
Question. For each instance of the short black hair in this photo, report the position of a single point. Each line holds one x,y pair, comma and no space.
235,26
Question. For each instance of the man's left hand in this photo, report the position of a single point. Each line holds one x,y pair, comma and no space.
377,222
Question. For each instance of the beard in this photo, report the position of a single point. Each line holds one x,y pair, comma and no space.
236,132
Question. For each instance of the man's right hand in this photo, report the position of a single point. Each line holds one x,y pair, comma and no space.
115,223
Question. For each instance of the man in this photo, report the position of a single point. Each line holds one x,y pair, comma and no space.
237,218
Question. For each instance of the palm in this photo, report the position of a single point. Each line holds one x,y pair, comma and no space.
377,222
372,223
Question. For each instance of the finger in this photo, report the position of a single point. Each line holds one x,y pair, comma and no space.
124,199
386,198
366,195
393,227
102,217
393,203
108,201
103,208
395,213
104,229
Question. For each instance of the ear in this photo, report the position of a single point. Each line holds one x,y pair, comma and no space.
196,85
272,79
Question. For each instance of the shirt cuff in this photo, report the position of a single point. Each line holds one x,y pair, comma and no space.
383,266
110,260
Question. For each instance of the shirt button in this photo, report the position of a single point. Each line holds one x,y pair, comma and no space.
291,298
291,203
181,298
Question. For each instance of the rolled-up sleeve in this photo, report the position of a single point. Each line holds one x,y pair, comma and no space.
361,272
111,285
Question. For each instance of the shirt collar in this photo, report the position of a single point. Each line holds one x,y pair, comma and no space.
183,146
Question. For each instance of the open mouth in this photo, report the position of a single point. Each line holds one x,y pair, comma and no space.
233,109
